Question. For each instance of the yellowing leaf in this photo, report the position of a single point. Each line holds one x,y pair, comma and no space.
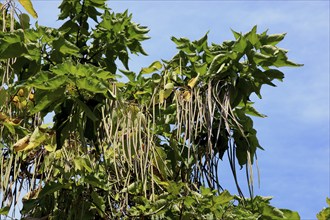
50,148
22,143
3,116
186,95
27,4
31,97
20,92
161,96
193,82
36,139
169,86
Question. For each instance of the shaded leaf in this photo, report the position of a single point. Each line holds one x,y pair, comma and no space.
65,47
4,210
47,99
89,113
50,188
129,74
99,202
274,74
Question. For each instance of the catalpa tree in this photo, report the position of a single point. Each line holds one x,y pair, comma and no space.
148,147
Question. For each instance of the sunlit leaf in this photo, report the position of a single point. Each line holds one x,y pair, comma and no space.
201,69
289,214
272,39
240,45
250,110
192,82
91,85
27,4
236,34
50,148
36,139
186,95
224,197
169,86
152,68
252,36
81,163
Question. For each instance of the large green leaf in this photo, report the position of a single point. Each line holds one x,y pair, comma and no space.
224,198
91,84
12,50
65,47
48,99
240,45
282,60
252,37
42,81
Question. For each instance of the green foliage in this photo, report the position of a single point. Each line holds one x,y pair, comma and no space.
324,214
147,148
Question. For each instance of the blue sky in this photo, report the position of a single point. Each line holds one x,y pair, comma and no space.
295,164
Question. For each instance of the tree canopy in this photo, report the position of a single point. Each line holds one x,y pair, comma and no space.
147,147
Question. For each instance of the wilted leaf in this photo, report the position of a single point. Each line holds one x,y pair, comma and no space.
22,143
